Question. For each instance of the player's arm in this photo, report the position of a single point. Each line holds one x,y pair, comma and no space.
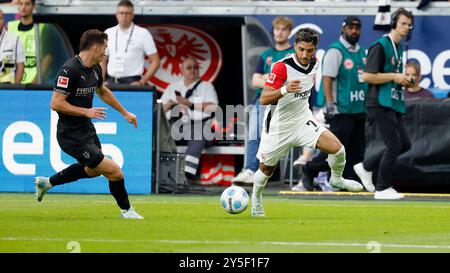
66,84
274,89
106,95
59,104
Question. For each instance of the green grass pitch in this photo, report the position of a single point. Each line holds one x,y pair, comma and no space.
198,224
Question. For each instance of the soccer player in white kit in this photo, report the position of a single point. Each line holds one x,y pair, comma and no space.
288,122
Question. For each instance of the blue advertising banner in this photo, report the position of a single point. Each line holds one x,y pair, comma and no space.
29,146
429,43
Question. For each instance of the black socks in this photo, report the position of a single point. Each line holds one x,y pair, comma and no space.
76,171
69,174
117,189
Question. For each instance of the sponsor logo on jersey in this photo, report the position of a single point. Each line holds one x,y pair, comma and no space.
62,82
175,43
303,95
87,91
271,78
348,63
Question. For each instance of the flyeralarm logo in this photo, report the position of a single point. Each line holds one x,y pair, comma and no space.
175,43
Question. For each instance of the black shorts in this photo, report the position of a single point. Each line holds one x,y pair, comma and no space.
89,153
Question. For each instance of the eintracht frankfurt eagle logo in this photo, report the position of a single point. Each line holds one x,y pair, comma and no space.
175,43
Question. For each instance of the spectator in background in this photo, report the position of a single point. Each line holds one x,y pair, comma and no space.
415,91
12,57
28,32
194,99
385,105
343,88
128,45
281,28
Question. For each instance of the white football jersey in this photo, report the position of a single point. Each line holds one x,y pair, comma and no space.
292,108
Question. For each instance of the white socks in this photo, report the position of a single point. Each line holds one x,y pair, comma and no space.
337,163
259,182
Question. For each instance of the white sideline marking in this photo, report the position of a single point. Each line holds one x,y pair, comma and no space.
375,204
224,242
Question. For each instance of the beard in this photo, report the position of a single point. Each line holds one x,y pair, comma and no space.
351,39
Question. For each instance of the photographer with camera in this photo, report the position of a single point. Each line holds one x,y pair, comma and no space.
385,105
12,56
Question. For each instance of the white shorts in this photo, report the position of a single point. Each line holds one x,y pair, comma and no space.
273,147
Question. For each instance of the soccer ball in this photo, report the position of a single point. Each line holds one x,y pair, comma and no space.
234,199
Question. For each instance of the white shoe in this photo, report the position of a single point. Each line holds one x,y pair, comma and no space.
299,187
130,214
41,186
365,176
245,176
302,160
346,184
388,194
257,206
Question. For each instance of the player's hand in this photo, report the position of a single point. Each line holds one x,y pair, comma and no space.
136,83
293,86
96,112
131,118
402,79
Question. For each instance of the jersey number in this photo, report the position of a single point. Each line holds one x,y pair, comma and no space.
309,122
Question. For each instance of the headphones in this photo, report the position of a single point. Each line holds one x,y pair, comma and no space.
396,15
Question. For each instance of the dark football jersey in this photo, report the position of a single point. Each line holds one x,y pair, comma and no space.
79,83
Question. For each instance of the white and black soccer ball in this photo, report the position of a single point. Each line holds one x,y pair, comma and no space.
234,199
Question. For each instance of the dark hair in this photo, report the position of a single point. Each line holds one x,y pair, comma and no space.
396,15
32,2
308,35
91,37
125,3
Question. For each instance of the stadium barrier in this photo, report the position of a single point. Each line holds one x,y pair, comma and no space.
29,146
426,166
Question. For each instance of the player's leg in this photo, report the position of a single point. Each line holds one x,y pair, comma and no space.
331,145
260,179
85,154
271,150
114,174
340,127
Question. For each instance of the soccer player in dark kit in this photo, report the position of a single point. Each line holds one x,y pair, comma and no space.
77,82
